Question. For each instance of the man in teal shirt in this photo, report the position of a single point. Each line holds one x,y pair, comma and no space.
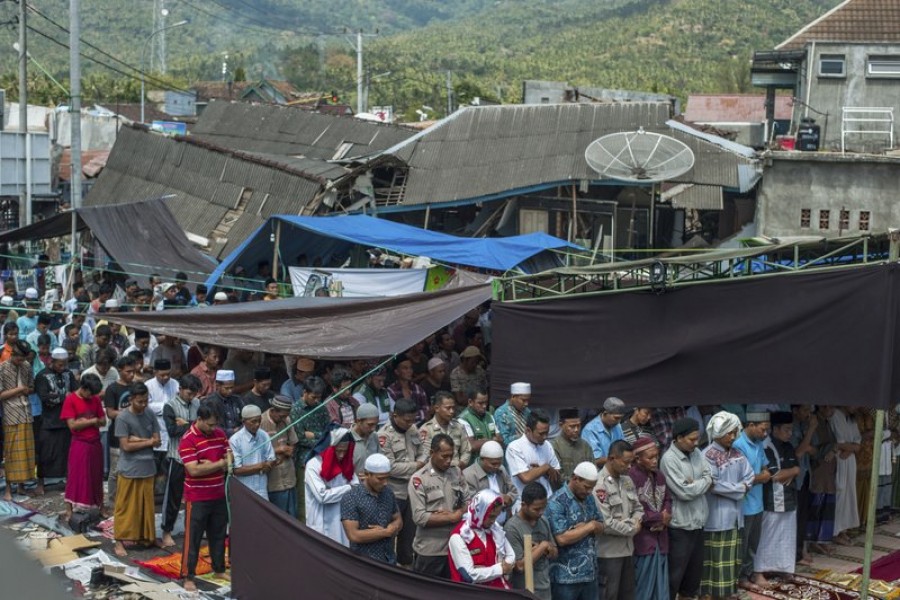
510,418
751,444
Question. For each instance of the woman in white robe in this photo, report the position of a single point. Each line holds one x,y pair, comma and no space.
846,514
328,477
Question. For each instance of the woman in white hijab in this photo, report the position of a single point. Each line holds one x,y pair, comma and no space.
479,551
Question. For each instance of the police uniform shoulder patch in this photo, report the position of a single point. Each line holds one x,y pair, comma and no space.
382,440
601,494
417,482
423,433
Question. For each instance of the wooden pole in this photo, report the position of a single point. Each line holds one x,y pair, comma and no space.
873,503
529,563
275,249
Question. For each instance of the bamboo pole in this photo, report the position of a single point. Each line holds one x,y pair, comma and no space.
529,563
873,503
275,248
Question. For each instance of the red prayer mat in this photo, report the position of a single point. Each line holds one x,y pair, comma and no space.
805,588
886,568
170,565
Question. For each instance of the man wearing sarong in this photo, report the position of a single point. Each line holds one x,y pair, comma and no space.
16,382
84,414
777,542
651,544
138,432
732,479
846,513
822,485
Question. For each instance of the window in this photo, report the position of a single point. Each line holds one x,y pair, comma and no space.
824,219
805,216
886,66
832,65
844,220
863,220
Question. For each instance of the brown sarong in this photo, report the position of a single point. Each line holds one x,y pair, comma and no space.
133,517
18,452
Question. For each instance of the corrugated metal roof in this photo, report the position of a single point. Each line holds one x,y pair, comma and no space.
292,131
854,21
734,108
489,150
205,184
699,197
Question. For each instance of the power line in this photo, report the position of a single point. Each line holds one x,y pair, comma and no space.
99,62
147,76
226,20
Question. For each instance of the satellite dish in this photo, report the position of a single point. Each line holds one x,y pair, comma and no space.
639,156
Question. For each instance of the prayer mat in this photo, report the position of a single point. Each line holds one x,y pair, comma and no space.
807,588
170,565
886,568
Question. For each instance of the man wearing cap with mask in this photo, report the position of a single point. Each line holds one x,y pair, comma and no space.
510,418
443,406
575,522
468,373
282,481
604,429
253,453
370,514
570,449
261,393
364,438
623,514
161,389
488,473
688,477
751,443
732,478
225,403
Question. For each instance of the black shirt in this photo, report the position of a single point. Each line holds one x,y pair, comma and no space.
112,398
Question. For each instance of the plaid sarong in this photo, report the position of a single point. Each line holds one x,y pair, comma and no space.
18,452
721,563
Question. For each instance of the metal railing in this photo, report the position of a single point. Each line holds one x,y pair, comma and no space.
881,117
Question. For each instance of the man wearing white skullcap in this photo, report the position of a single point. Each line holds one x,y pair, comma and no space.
225,403
370,514
510,418
488,472
575,522
254,456
732,478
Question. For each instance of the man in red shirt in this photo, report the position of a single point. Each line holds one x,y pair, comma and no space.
204,451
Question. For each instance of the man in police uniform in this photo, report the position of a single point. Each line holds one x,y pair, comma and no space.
399,440
437,497
443,405
622,512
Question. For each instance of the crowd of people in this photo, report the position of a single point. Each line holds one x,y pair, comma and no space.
408,462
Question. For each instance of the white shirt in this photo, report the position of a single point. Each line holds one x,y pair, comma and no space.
522,456
323,501
158,397
462,558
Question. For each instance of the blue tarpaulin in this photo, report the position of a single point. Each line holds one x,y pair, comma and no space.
330,237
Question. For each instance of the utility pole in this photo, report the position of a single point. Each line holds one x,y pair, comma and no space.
25,195
360,105
449,93
160,12
75,115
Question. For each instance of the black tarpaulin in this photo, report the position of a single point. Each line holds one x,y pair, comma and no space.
142,237
316,327
826,337
273,555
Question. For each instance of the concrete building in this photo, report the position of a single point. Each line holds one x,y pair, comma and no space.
848,78
559,92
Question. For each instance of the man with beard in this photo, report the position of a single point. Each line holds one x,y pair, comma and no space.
732,478
52,385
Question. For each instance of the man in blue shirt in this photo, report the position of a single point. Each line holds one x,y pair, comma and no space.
751,444
575,522
604,429
511,416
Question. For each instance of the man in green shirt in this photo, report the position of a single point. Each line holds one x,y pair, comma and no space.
570,448
477,420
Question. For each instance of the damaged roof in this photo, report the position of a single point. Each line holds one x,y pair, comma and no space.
215,193
291,131
486,152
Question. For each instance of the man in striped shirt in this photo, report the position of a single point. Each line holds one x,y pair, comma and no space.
204,451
